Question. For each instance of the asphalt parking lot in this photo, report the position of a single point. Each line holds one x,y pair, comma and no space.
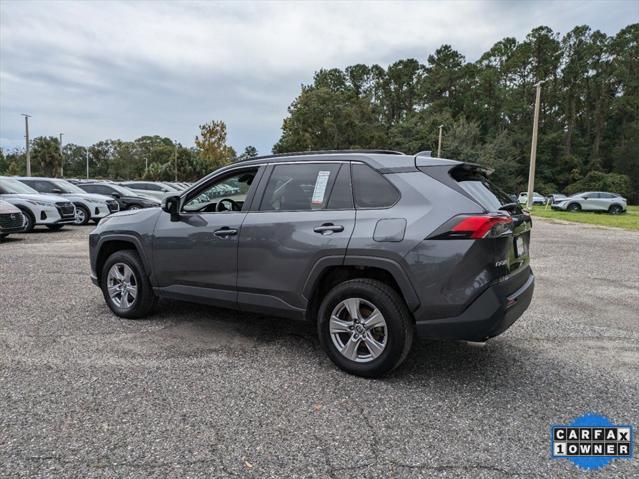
201,392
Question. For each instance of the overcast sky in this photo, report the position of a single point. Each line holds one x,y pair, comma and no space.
97,70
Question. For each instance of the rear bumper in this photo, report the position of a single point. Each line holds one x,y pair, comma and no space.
492,313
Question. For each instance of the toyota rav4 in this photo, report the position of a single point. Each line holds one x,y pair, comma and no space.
372,246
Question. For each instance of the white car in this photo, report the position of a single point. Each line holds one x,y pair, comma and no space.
594,201
537,199
11,219
151,188
88,206
48,210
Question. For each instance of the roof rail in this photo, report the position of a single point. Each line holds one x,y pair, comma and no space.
320,152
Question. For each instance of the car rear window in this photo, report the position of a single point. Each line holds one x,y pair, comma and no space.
477,184
299,187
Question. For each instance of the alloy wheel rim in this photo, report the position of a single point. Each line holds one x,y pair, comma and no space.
122,285
358,330
79,216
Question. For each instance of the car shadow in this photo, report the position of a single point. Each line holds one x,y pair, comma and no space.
469,362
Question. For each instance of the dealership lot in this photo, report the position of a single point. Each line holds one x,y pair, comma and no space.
201,392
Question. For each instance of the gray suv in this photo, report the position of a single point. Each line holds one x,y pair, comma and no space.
371,246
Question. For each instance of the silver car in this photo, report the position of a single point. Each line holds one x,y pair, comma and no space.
593,201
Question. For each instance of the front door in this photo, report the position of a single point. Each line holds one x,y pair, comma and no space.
305,215
195,257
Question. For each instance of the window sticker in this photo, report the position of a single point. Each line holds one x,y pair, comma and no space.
320,187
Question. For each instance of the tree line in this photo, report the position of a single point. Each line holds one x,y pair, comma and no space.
589,121
148,157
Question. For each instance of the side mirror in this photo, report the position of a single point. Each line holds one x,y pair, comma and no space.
171,204
116,195
57,191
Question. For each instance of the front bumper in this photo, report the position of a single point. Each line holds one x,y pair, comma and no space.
492,313
99,212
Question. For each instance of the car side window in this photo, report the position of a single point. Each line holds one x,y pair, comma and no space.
102,190
371,189
299,187
226,194
43,186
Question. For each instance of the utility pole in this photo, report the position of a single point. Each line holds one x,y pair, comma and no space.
533,147
176,161
62,157
439,144
26,135
87,151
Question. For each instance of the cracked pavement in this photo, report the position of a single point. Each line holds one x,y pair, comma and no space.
196,391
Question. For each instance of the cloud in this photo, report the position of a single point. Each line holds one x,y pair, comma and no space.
96,70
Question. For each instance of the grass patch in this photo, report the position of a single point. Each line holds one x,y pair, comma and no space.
628,220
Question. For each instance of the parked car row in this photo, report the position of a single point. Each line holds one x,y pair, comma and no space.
589,201
27,202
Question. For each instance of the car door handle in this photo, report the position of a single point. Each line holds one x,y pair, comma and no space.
328,228
224,232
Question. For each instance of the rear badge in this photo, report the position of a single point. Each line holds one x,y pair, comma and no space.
591,441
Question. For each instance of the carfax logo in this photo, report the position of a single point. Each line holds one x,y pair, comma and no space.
591,441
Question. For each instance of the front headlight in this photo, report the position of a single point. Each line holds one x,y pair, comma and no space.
41,203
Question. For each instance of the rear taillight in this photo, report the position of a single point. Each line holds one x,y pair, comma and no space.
475,227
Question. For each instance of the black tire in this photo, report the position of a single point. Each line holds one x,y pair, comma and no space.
574,207
399,326
55,227
145,299
134,207
29,220
615,210
84,216
3,235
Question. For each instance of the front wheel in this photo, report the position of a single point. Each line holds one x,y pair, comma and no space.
365,327
82,216
125,285
134,207
574,207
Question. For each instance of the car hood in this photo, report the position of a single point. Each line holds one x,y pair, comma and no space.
35,197
86,196
8,208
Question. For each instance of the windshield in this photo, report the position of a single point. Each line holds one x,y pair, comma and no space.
67,187
10,185
123,190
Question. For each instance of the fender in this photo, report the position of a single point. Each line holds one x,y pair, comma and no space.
137,243
386,264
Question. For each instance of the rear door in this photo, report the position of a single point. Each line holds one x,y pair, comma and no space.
303,213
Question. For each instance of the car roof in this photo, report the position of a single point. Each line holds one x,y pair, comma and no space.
378,159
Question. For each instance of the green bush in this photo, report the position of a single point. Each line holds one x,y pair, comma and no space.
598,181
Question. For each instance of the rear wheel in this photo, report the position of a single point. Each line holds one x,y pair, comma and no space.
615,210
125,285
82,216
55,227
365,327
574,207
